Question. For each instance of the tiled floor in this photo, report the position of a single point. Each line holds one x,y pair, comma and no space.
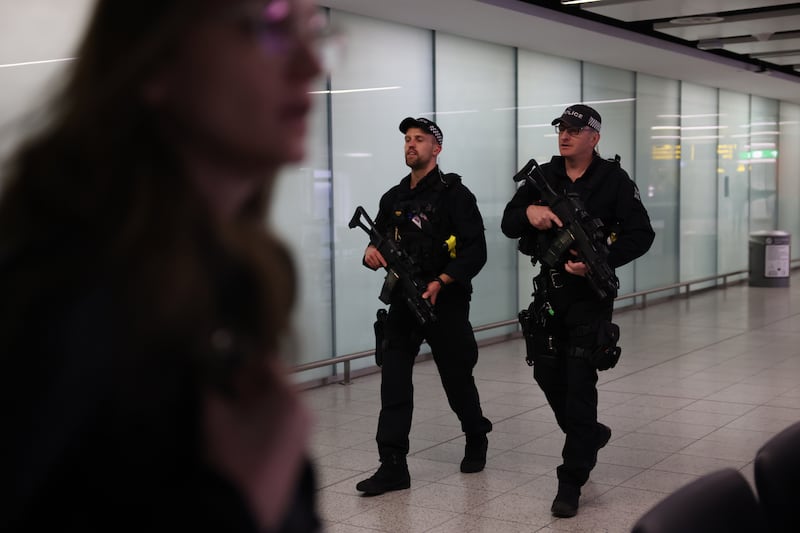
702,383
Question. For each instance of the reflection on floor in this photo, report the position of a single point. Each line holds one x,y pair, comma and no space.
702,383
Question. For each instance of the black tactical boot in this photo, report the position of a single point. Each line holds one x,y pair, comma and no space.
474,454
391,475
566,503
603,434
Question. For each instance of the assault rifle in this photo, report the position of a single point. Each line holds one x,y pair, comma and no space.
400,268
579,230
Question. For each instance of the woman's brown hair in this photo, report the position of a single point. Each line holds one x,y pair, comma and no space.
96,195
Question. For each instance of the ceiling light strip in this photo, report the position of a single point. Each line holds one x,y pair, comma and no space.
365,90
42,62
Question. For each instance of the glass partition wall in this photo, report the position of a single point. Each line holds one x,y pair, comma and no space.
712,165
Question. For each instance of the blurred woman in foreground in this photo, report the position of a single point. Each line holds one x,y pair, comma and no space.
144,301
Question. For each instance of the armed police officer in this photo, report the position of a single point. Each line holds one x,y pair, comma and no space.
421,214
570,334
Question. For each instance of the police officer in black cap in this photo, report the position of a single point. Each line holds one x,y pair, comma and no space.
577,322
422,213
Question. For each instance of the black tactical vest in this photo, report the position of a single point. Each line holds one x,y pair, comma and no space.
535,244
420,222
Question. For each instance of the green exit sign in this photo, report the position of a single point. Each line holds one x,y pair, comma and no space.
759,154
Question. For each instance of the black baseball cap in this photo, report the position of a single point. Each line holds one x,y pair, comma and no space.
425,125
580,116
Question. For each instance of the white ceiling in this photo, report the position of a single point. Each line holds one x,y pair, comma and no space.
532,27
661,9
706,24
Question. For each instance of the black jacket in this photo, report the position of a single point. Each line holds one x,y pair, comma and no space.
451,209
607,192
102,436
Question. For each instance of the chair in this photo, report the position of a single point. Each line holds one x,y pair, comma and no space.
719,502
777,472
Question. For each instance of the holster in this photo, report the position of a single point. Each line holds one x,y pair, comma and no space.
540,344
597,344
380,335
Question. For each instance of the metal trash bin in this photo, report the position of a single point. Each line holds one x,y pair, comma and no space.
769,258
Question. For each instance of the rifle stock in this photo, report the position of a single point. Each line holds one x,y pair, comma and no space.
400,268
579,230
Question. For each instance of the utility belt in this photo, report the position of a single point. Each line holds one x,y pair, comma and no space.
548,339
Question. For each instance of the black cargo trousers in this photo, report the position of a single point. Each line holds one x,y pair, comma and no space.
455,353
570,382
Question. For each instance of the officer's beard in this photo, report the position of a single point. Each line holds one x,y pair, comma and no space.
417,163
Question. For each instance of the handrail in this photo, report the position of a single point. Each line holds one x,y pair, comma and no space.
643,294
366,353
345,359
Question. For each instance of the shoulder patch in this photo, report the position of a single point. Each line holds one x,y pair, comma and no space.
636,192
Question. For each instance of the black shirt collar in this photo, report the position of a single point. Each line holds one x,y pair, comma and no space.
430,180
586,179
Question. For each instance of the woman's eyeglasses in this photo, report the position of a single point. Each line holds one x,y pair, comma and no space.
279,27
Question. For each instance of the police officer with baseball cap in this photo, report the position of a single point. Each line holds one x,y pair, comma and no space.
578,116
427,209
577,326
423,124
